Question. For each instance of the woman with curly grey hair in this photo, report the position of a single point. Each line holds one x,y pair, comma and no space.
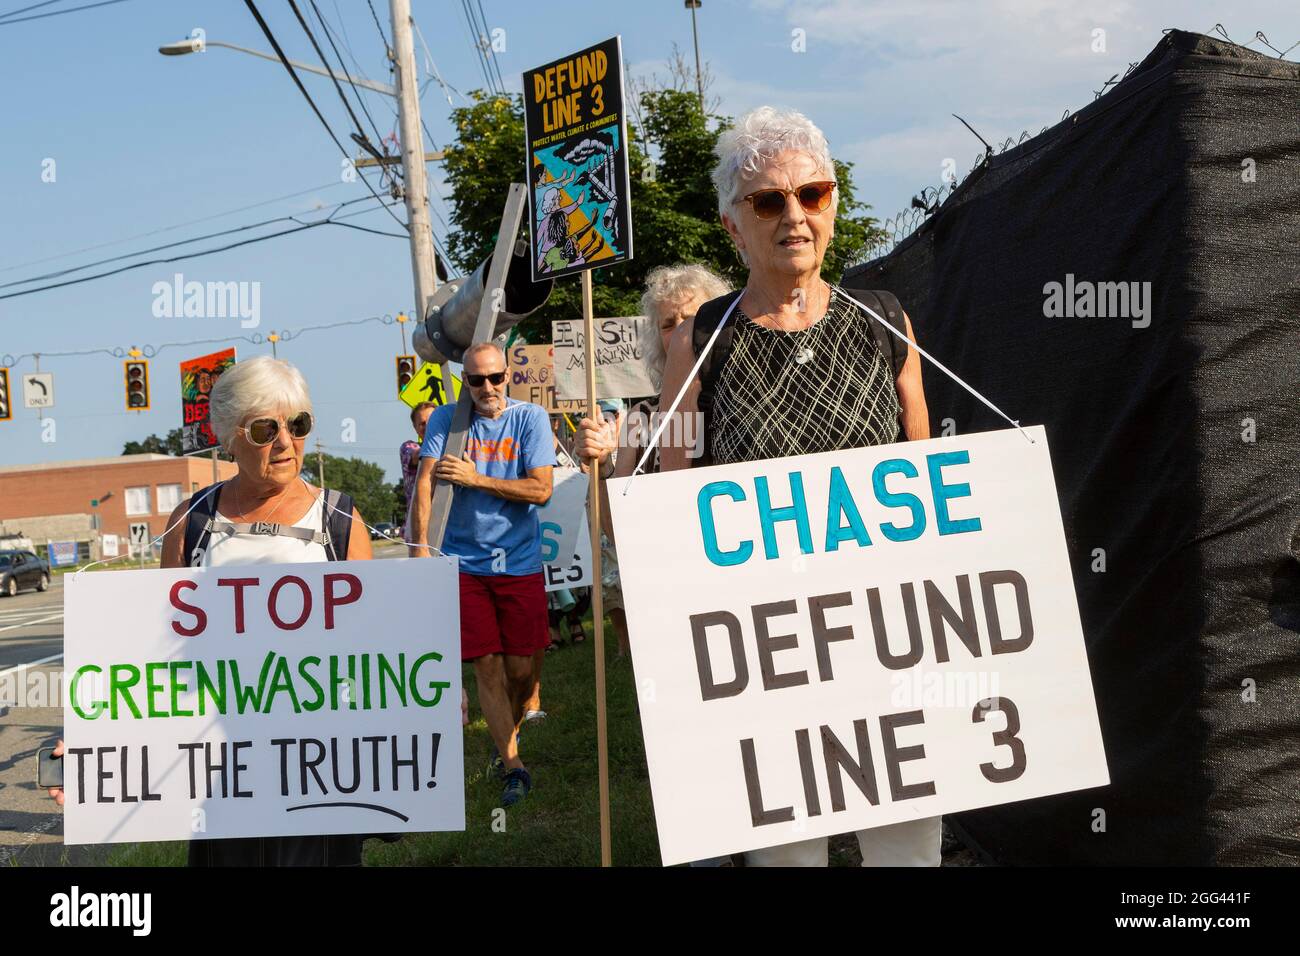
672,296
792,364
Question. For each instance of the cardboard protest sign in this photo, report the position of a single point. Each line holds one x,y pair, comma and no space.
566,559
266,700
840,641
576,142
621,371
532,379
198,375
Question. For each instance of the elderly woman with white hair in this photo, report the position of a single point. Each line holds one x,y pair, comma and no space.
266,514
797,366
672,295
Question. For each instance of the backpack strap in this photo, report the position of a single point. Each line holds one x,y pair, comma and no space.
886,305
336,519
200,523
710,315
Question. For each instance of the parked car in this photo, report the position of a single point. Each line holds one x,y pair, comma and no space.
386,529
22,569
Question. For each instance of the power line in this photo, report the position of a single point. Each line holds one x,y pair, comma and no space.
53,13
150,350
329,35
179,225
478,50
169,245
490,49
388,47
275,45
34,6
361,141
194,255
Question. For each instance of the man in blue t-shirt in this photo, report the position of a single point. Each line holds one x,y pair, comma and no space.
504,476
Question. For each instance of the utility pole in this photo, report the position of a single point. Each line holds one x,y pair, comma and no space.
414,175
694,5
320,465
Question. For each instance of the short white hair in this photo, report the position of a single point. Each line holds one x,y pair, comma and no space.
666,286
755,140
256,386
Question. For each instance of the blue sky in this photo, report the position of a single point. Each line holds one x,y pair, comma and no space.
142,142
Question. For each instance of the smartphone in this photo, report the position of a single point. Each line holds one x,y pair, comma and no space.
49,769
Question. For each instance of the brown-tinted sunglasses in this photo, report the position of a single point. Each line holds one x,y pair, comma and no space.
770,203
263,431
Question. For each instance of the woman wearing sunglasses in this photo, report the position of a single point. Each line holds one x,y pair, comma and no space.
266,514
797,367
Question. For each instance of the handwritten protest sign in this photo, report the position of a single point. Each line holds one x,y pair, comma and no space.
266,700
532,379
845,640
566,536
619,346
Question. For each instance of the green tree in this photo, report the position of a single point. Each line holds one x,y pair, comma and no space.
153,445
674,206
363,480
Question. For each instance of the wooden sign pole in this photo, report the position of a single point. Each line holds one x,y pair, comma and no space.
597,602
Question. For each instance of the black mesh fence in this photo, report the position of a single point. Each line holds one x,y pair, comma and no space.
1166,370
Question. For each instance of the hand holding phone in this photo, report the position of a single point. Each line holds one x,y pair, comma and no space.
49,770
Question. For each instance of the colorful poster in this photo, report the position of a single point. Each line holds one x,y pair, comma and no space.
576,142
198,375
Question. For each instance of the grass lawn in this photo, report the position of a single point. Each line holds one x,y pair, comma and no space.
559,823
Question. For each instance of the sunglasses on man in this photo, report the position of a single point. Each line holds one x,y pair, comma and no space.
476,381
770,203
263,431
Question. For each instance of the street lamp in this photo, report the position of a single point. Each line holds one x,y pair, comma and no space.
197,45
693,5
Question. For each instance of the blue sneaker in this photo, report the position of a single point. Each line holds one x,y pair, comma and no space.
518,783
497,766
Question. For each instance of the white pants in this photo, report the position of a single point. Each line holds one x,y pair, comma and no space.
914,843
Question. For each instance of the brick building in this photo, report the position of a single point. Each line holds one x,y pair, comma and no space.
53,500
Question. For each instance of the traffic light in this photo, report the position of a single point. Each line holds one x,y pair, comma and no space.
405,371
137,385
6,406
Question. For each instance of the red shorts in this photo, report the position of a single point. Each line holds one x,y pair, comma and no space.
502,614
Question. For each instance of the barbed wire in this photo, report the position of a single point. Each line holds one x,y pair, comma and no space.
149,350
903,224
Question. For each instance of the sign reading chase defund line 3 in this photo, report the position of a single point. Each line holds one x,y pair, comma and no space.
263,700
845,640
577,162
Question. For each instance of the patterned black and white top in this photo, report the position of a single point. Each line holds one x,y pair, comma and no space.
824,388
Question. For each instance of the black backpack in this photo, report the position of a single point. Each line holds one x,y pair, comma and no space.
335,850
711,314
202,522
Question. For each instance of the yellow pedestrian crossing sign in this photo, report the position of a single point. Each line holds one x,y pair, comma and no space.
426,386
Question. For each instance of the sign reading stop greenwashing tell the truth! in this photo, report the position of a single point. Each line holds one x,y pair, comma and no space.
266,700
846,640
576,148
